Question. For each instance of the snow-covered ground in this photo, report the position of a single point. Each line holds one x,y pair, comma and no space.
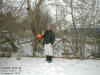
38,66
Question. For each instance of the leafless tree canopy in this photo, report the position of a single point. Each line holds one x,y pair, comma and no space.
27,18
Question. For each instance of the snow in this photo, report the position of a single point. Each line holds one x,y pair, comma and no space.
38,66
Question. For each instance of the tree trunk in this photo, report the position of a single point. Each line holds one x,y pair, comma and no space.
34,20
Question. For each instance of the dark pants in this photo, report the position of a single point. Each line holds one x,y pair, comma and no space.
48,58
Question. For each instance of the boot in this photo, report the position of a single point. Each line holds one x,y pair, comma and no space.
47,58
50,59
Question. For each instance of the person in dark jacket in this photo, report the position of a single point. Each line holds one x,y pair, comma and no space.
48,40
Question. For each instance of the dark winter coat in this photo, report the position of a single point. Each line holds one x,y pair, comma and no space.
49,37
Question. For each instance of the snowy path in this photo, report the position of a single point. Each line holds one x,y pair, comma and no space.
38,66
